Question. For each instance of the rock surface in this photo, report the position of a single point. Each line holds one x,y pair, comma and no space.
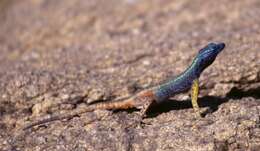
57,56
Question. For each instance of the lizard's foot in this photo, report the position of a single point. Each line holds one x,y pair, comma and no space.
142,113
145,107
196,109
197,113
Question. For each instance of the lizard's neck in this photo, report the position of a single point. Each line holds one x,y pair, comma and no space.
194,70
191,73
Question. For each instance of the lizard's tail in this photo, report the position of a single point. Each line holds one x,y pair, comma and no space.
128,103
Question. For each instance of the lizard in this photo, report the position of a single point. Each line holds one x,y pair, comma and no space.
187,80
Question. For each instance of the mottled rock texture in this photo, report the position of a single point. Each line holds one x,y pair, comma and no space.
59,55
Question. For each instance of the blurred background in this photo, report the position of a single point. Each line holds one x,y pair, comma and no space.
56,56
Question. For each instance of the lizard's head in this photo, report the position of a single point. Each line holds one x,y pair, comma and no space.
207,55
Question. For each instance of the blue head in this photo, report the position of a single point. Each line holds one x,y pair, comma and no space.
208,54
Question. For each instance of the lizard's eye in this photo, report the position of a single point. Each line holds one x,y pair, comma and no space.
211,45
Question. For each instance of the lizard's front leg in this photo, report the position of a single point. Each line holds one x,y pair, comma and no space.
194,96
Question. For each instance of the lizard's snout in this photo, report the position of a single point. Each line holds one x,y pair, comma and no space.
221,46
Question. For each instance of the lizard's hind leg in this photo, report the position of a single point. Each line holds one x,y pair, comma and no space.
145,99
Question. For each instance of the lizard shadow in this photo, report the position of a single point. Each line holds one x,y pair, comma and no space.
212,102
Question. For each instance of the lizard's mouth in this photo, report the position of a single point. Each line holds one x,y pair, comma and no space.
221,46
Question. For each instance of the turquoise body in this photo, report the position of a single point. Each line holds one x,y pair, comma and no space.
183,82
